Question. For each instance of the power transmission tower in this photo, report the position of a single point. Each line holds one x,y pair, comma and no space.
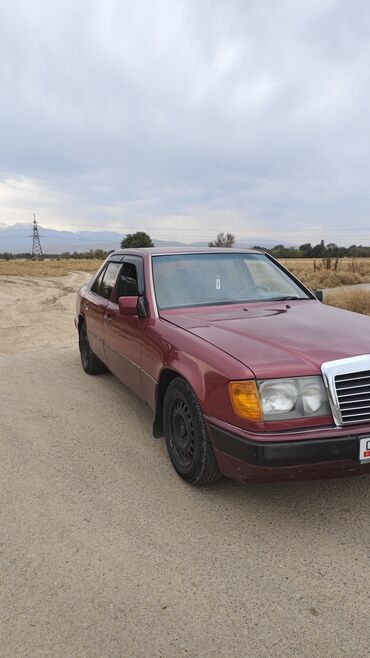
36,244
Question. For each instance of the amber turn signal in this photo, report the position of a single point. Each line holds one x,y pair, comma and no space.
245,400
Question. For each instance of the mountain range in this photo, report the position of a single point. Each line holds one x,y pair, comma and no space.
17,238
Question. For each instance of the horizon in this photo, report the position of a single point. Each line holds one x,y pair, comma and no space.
256,241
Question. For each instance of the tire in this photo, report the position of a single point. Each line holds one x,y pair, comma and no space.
90,362
187,441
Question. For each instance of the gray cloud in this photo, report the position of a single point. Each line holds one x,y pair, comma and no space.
185,118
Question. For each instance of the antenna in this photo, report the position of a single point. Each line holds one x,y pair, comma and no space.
36,244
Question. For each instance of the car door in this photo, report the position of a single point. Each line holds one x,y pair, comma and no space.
124,333
95,303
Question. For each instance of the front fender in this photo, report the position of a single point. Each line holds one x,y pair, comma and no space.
208,370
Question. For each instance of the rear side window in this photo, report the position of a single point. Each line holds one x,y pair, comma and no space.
104,284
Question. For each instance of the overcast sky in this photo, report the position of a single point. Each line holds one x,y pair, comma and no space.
185,118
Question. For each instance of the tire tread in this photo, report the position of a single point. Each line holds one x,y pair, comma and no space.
94,365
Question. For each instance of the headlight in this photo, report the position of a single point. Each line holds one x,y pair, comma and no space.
313,396
279,399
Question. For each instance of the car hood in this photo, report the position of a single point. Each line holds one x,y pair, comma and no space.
279,339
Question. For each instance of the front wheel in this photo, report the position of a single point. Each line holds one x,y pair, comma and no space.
90,362
187,441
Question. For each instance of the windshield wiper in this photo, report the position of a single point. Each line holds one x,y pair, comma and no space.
286,297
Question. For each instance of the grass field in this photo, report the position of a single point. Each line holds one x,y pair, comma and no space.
47,267
357,300
329,273
314,273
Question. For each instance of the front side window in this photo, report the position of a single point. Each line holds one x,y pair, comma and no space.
185,280
97,283
108,281
127,281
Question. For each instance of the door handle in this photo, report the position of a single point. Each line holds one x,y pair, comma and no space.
87,306
108,318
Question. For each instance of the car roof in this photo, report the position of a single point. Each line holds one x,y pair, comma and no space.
162,251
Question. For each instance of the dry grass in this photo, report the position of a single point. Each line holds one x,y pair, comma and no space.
314,273
47,267
319,273
357,300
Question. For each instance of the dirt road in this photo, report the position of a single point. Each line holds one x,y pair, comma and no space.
105,552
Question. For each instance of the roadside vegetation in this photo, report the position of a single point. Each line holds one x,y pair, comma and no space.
47,266
329,272
357,300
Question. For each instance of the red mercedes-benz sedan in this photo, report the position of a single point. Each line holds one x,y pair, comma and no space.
247,373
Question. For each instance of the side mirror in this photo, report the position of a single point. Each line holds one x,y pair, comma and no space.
128,305
318,294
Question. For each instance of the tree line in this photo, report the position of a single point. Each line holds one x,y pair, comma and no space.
142,239
320,250
306,250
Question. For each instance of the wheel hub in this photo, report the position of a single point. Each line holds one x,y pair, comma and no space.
182,433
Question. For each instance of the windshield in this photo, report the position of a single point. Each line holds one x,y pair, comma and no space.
184,280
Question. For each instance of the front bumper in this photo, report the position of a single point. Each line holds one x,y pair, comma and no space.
253,458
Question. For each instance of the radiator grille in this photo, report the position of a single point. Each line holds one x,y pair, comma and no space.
353,393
